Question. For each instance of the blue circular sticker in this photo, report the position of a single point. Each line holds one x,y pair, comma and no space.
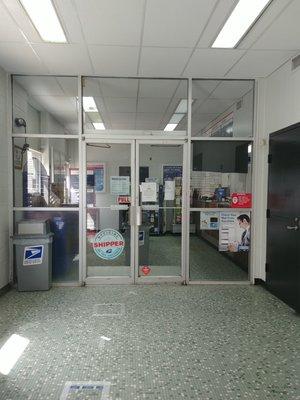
108,244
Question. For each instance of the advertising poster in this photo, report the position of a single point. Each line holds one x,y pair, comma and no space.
209,220
241,200
234,231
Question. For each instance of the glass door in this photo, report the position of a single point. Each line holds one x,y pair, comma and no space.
109,196
160,204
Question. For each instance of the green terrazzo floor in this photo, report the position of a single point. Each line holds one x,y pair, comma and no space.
206,262
167,342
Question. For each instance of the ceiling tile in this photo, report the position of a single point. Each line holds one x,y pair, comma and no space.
266,19
259,63
206,63
124,105
114,60
20,58
284,33
217,20
202,88
175,23
108,22
22,20
40,85
157,61
64,58
213,106
9,31
69,18
232,89
152,105
164,88
123,87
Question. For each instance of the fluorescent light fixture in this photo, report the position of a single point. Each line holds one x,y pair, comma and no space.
99,126
240,20
182,107
43,16
176,118
170,127
11,351
89,104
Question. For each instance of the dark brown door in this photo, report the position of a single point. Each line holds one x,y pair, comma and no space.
283,228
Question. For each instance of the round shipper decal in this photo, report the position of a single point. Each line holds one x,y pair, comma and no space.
108,244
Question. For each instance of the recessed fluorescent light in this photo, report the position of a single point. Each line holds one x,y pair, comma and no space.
11,351
99,126
89,104
170,127
43,16
176,118
240,20
182,107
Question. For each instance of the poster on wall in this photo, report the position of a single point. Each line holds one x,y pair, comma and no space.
149,192
170,172
120,185
209,220
234,231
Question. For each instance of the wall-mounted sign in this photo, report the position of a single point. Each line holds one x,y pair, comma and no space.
120,185
241,200
209,220
108,244
234,231
141,238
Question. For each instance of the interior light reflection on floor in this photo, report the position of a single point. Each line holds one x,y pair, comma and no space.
11,351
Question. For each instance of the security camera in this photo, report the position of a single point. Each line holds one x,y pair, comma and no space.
20,122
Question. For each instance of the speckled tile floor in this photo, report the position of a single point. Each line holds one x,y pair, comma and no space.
167,342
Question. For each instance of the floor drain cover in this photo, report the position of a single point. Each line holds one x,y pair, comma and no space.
85,391
109,309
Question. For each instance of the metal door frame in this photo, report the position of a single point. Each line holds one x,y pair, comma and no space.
134,153
98,280
163,279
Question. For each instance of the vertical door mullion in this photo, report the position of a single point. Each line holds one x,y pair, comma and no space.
83,239
136,210
132,210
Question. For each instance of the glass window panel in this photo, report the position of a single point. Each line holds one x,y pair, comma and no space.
132,104
221,174
219,245
64,226
45,104
102,262
222,108
43,172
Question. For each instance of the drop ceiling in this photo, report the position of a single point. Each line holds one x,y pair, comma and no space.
149,38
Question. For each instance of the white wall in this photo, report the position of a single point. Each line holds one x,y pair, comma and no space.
278,106
4,233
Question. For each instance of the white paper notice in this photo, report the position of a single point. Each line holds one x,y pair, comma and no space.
149,192
120,185
169,190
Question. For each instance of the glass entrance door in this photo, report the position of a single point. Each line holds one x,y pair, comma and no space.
160,202
109,196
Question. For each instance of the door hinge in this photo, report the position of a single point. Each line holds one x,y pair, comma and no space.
269,158
268,213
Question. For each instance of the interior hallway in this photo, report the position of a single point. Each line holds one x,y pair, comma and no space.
167,342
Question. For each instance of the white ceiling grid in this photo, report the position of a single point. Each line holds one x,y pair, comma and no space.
150,38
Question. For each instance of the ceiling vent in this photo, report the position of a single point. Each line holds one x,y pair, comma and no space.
295,62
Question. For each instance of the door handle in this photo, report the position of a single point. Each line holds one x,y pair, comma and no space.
138,215
294,227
